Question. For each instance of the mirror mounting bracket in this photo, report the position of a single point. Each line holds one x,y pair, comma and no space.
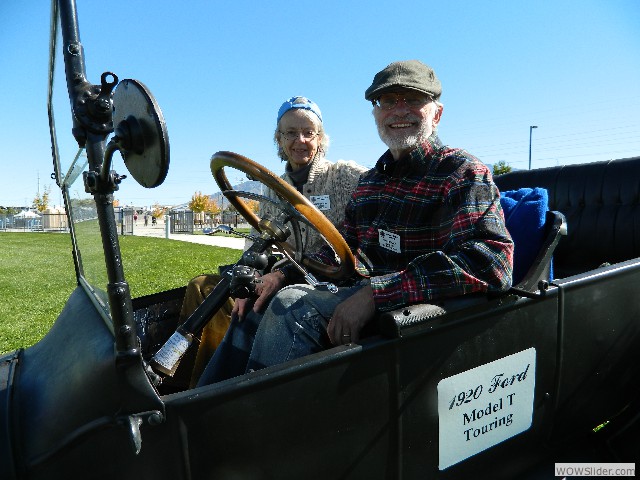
96,183
93,107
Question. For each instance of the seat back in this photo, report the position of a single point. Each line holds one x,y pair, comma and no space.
535,232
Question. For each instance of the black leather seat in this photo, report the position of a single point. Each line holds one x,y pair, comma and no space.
601,204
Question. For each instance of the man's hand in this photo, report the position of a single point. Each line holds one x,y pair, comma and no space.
266,287
351,316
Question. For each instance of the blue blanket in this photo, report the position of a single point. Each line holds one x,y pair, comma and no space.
524,213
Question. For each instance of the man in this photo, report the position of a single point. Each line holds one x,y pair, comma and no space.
424,223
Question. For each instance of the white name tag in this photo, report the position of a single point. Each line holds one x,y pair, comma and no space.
484,406
321,202
389,240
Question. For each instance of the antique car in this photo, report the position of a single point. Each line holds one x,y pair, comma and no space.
499,386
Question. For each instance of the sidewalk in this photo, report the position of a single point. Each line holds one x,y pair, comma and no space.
217,240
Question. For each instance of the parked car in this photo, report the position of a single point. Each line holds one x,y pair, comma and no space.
475,387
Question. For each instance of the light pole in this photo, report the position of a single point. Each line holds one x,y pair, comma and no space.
222,210
530,130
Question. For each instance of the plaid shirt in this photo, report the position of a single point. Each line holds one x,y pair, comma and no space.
438,212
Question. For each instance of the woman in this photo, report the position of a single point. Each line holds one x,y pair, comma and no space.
302,143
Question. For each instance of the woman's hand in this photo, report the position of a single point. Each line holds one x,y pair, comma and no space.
266,287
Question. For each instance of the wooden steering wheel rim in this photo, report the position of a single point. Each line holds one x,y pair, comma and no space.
219,160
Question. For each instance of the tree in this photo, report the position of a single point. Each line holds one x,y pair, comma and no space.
213,208
200,202
41,203
157,210
253,205
501,167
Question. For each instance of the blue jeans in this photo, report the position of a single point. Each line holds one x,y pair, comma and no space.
293,325
230,358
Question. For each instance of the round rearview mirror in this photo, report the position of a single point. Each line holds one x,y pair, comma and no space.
141,133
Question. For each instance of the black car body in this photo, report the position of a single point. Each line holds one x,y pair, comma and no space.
476,387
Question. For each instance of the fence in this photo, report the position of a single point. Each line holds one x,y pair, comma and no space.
58,222
32,222
185,221
181,221
124,218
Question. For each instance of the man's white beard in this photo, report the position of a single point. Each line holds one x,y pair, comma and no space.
406,141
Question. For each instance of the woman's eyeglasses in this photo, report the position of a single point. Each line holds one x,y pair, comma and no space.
305,134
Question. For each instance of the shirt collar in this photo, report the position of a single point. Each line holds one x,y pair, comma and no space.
418,158
301,176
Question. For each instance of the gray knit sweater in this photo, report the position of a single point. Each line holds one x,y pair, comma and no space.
328,187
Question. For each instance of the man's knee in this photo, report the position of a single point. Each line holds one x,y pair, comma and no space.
288,298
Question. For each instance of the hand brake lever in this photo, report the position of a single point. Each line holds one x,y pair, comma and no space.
309,277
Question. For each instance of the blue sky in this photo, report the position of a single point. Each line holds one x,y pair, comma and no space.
220,70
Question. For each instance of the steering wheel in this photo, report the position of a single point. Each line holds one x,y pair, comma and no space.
309,212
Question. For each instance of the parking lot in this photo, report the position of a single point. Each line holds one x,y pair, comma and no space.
159,231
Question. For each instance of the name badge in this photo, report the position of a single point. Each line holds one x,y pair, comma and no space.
389,240
321,202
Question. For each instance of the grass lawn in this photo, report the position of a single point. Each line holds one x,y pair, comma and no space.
37,276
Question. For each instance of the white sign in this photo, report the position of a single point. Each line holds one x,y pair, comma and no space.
389,240
484,406
321,202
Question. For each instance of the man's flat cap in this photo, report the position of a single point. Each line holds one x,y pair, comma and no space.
407,74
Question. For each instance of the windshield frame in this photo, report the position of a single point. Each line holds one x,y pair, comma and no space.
90,128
